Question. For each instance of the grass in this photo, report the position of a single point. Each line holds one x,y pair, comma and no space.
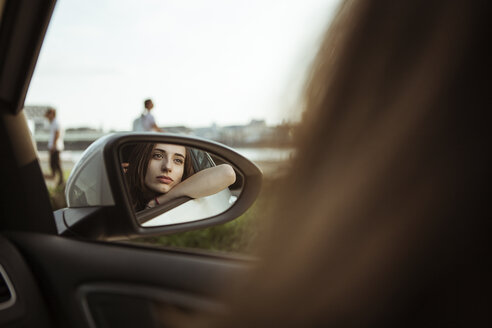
235,236
56,192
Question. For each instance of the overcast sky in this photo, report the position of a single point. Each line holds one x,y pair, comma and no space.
201,61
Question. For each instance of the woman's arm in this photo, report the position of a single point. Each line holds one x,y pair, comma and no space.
203,183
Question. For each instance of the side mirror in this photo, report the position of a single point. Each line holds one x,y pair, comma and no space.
129,184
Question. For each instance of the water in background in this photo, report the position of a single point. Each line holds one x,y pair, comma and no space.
266,154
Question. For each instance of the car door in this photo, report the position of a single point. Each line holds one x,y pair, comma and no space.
48,280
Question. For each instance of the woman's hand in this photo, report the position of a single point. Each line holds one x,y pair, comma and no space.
151,204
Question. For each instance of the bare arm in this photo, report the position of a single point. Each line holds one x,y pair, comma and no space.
204,183
156,128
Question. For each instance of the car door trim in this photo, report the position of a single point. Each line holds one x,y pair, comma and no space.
152,293
10,287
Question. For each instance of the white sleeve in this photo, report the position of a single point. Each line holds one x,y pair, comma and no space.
151,120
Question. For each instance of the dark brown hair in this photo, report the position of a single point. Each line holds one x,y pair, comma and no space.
390,224
139,158
50,110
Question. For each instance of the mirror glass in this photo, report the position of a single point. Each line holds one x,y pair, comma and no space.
172,184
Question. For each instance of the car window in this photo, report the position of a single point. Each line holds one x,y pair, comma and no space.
229,71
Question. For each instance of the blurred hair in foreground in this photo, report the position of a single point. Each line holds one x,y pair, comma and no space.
383,220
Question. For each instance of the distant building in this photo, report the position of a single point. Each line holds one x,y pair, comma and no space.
74,138
254,134
256,131
82,130
180,129
212,132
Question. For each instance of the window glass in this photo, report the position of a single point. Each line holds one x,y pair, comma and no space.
230,71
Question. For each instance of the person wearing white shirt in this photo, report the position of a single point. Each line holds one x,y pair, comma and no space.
55,145
146,122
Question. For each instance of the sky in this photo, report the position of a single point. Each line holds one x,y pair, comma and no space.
200,61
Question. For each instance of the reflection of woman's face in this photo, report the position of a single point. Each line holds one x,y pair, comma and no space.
166,167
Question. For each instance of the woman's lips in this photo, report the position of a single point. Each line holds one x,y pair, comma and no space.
164,179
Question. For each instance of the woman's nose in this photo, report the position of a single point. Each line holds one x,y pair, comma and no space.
166,165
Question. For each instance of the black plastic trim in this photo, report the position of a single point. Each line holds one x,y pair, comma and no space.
151,293
22,30
62,265
10,288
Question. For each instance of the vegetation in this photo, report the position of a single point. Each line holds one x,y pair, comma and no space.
233,236
57,193
57,197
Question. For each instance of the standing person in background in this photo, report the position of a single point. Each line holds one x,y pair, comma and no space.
55,145
146,122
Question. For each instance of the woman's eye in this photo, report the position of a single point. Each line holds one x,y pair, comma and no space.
178,161
157,156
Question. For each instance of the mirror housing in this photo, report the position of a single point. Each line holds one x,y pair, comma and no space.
99,205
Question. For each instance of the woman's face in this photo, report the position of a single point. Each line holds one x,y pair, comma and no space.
166,167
